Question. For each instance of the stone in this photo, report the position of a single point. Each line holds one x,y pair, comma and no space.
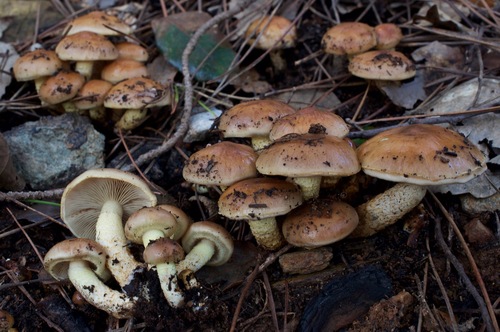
50,152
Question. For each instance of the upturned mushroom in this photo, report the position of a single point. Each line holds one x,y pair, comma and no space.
83,262
259,201
206,243
253,119
414,156
96,203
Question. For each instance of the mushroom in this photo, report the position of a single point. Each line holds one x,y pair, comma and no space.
98,22
388,36
94,205
206,243
183,220
221,164
122,69
309,120
61,88
85,48
150,224
307,158
382,65
273,33
134,95
253,119
164,253
319,222
36,66
349,38
415,156
7,322
83,262
259,201
91,97
131,51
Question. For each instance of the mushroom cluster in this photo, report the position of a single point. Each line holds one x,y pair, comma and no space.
107,209
89,73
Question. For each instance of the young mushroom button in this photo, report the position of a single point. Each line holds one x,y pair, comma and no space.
206,243
83,261
94,206
415,156
259,201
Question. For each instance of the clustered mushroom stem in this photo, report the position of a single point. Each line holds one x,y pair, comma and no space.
199,255
97,293
267,233
84,68
309,186
110,234
131,119
260,142
151,235
168,281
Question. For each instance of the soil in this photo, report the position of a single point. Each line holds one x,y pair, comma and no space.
251,288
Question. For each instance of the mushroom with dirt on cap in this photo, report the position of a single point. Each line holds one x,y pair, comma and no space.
95,204
98,22
91,98
349,38
253,119
382,65
414,156
37,66
83,262
206,243
61,88
259,201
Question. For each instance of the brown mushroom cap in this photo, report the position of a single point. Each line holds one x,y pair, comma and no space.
122,69
84,197
131,51
100,23
61,87
308,155
183,220
92,94
137,93
421,154
319,222
86,46
259,198
382,65
309,120
388,35
163,250
252,118
349,38
36,64
221,164
271,32
148,219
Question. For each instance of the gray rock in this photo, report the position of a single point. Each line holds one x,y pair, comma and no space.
50,152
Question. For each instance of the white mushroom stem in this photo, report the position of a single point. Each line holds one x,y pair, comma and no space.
201,253
85,68
131,119
309,186
388,207
167,274
151,235
266,233
110,234
97,293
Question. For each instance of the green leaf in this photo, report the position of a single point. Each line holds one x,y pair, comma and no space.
210,58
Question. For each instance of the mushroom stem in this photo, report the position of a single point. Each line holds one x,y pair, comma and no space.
260,142
199,255
84,68
267,233
168,281
388,207
309,186
110,234
97,293
151,235
131,119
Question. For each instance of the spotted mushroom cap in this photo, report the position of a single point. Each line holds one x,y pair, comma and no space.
35,64
98,22
92,94
421,154
382,65
86,46
348,38
275,31
61,87
136,93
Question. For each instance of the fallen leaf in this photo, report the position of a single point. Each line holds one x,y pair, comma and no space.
404,94
8,57
211,57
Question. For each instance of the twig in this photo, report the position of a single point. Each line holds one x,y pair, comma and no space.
188,93
272,306
23,195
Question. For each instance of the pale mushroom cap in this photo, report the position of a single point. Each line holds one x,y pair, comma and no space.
308,155
58,258
382,65
183,220
36,64
217,234
221,164
252,118
98,22
83,198
388,35
272,32
92,94
61,87
131,51
163,250
309,120
86,46
147,219
122,69
349,38
137,93
421,154
259,198
319,222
